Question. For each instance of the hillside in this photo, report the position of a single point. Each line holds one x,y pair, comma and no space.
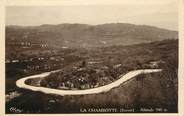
82,35
158,90
106,65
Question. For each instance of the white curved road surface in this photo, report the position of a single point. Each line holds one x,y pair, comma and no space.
123,78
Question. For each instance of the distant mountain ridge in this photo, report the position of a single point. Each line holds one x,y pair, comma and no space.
84,35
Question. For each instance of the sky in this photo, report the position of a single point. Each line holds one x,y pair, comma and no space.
160,13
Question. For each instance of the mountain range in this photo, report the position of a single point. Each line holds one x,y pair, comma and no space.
87,36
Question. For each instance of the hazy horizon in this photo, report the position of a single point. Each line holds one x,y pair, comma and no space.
162,14
90,25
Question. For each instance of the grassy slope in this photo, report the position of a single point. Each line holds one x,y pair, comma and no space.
153,91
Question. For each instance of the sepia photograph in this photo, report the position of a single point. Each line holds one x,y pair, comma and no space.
93,59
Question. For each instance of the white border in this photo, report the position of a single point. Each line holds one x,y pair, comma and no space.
4,3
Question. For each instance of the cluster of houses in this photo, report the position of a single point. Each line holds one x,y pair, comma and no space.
51,58
27,44
44,67
37,64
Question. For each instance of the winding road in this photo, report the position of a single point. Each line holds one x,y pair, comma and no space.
123,78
